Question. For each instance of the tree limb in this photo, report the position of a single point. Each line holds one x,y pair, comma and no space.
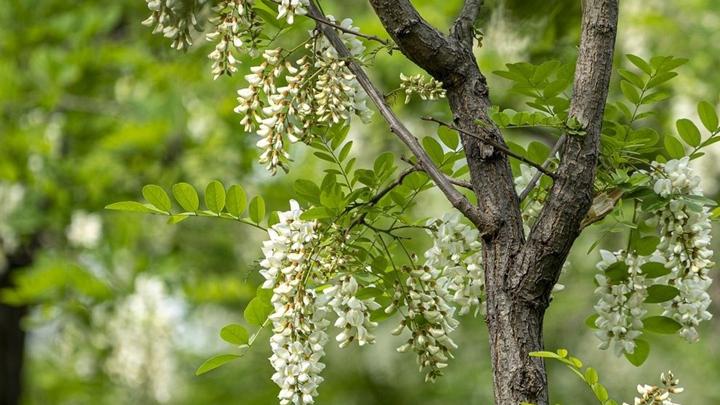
464,27
536,177
502,148
571,196
457,199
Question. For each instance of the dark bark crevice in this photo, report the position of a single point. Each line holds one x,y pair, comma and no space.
12,335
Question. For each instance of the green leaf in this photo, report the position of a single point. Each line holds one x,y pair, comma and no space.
688,132
449,137
640,354
600,392
661,324
591,376
307,190
617,271
215,362
630,92
236,200
257,209
433,149
590,321
215,196
316,213
646,246
708,116
654,269
673,147
234,334
131,206
640,63
156,196
257,311
545,354
661,293
186,196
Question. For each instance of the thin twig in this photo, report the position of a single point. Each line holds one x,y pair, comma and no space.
497,145
536,177
339,27
456,198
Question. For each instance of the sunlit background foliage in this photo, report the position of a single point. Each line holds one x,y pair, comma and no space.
92,107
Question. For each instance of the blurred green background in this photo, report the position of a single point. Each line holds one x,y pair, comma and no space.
93,106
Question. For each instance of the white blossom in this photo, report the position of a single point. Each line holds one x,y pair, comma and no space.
283,100
85,229
427,88
685,233
353,313
620,304
430,318
231,21
653,395
533,206
141,340
456,254
11,196
173,19
298,317
288,9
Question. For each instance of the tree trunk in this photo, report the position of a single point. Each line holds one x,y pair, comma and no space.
12,336
519,273
12,349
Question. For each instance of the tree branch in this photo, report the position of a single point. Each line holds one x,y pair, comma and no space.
457,199
497,145
536,177
464,27
339,27
571,196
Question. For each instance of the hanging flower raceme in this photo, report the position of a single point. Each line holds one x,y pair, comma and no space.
284,99
288,9
430,319
425,87
353,313
653,395
140,335
456,254
620,305
173,18
234,24
298,318
685,233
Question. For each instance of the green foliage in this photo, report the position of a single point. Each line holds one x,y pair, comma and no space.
589,375
218,203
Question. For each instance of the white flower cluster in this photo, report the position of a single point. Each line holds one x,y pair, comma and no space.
427,88
318,90
653,395
234,23
141,336
353,313
11,196
173,18
456,254
299,323
685,233
288,9
532,206
430,319
85,230
620,306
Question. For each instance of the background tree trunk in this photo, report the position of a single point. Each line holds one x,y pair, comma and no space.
12,336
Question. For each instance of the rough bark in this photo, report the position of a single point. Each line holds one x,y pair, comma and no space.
519,274
12,336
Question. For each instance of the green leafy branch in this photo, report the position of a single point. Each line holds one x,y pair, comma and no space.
219,203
